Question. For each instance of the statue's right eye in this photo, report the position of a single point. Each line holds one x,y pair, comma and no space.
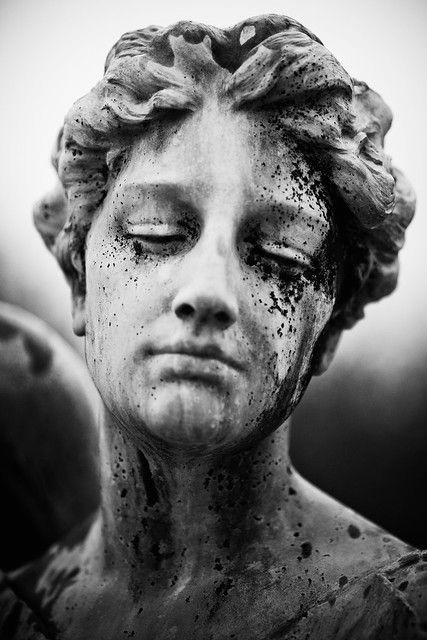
163,244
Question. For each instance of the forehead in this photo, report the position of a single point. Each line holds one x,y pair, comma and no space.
235,155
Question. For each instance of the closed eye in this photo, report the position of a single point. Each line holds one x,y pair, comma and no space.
161,245
154,234
284,256
159,238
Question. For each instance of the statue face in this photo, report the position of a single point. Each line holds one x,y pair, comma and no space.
210,275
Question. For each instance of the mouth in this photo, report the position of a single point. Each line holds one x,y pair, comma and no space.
200,355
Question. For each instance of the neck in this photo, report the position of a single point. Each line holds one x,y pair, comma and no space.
174,518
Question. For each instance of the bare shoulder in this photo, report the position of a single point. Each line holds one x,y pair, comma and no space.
353,544
17,620
42,584
365,583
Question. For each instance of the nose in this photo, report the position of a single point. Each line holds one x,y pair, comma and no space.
205,310
207,300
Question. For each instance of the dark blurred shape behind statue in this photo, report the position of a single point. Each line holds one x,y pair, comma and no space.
48,438
225,209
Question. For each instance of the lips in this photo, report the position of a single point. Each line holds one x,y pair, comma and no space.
205,351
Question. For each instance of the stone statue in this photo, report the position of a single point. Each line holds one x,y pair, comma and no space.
225,210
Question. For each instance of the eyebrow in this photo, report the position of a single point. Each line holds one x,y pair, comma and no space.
171,194
170,188
274,205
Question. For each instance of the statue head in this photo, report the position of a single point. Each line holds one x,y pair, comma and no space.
224,210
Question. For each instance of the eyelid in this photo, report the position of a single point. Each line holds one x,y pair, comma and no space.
287,253
152,229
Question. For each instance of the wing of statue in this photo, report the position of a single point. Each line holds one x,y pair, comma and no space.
48,467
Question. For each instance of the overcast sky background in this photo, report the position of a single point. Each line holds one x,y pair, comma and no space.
53,51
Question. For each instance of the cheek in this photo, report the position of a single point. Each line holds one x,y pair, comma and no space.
124,296
290,317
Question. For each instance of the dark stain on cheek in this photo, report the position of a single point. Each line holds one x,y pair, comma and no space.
288,293
281,303
138,249
324,272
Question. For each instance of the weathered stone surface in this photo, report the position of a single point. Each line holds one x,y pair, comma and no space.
226,210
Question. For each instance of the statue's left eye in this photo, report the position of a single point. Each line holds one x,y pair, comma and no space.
160,239
285,259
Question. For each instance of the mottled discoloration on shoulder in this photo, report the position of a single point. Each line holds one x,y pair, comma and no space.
17,620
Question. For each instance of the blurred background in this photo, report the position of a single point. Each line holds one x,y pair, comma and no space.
360,432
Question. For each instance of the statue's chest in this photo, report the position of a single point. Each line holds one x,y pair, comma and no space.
225,610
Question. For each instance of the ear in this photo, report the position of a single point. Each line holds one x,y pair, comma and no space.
79,314
324,350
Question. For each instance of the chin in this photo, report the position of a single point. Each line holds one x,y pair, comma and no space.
191,417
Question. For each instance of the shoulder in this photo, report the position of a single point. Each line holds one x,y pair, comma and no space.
354,543
375,585
31,593
389,604
382,605
17,620
406,581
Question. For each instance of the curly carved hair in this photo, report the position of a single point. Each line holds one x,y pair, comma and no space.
268,62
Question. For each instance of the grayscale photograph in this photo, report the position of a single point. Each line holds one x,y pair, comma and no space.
213,320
